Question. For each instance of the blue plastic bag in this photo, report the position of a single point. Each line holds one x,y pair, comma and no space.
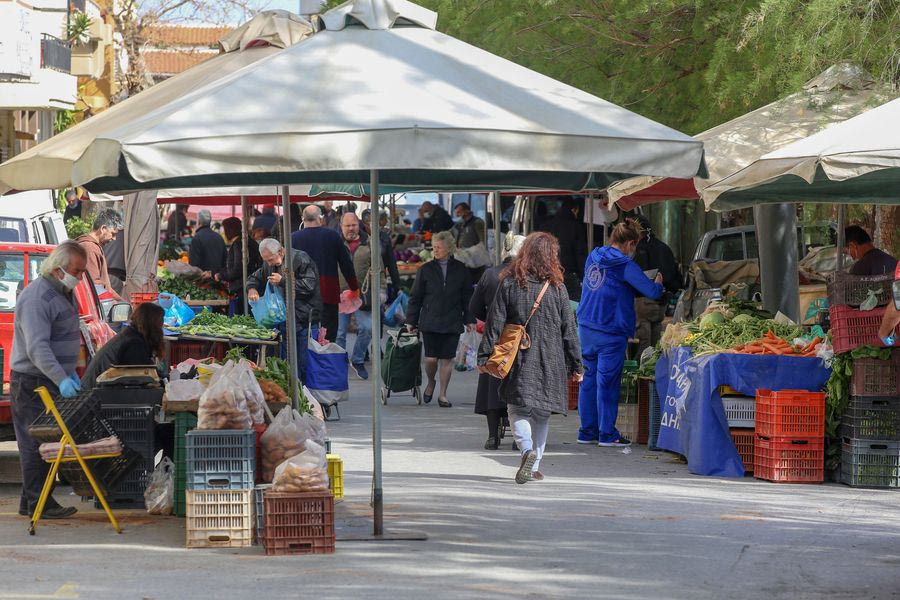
270,311
327,370
177,312
395,314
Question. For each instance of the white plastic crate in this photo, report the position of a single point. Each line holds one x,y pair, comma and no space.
627,421
219,518
740,411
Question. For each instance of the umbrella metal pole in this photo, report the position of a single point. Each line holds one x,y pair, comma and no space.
839,249
498,251
244,251
375,292
289,296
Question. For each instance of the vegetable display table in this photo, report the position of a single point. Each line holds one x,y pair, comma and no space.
694,423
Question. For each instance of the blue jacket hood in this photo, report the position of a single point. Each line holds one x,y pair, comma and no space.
606,257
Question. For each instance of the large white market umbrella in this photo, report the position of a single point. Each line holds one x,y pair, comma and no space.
49,164
841,92
857,161
380,94
379,88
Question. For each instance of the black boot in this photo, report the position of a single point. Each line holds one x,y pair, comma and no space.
492,443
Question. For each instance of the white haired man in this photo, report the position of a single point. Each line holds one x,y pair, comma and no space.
46,345
307,299
208,249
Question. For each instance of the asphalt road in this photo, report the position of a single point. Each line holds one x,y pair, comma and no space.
602,525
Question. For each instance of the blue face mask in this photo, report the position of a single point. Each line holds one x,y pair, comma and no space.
457,220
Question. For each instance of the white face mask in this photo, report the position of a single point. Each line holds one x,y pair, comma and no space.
69,281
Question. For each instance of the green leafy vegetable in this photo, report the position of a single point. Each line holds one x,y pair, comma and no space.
216,325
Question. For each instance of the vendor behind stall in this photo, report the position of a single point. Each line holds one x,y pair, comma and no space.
233,273
138,344
869,259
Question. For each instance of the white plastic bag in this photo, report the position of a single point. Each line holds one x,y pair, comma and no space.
223,405
159,496
871,301
253,394
304,472
467,351
288,436
184,390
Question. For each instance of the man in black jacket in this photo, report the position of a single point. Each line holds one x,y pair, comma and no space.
436,219
307,300
569,229
653,253
208,250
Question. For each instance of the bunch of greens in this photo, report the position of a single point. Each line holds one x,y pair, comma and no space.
76,227
711,334
216,325
170,249
837,391
190,288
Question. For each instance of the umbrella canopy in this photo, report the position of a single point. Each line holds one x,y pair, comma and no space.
379,88
49,164
839,93
857,161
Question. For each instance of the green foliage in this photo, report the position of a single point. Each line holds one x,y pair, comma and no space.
77,28
76,227
63,120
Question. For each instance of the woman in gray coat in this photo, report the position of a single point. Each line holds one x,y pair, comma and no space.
536,386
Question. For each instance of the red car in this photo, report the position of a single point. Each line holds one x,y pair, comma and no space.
19,264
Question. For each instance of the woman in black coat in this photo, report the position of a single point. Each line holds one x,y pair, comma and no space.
487,399
439,308
233,273
141,343
536,386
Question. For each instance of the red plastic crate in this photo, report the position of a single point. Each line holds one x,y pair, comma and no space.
5,411
744,442
138,298
790,413
851,328
574,386
789,460
301,523
181,351
643,396
874,377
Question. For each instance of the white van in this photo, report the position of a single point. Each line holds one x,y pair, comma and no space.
31,217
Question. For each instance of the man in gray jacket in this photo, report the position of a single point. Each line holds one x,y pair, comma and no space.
46,344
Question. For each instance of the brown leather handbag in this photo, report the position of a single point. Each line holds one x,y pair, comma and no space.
512,339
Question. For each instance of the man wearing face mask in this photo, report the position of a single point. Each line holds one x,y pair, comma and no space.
46,345
435,219
107,225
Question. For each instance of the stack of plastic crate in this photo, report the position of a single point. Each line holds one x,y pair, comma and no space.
870,452
135,427
336,475
850,326
790,436
220,476
655,418
740,411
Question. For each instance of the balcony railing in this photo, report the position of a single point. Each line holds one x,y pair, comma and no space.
56,54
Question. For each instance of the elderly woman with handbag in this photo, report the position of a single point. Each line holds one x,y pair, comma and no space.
531,343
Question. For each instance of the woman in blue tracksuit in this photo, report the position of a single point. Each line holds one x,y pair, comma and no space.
605,322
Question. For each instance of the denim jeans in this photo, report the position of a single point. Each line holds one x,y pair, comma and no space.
598,400
302,347
26,407
363,335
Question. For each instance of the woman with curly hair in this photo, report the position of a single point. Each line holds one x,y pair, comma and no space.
536,385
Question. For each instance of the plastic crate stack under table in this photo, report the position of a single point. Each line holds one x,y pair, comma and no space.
870,426
219,480
790,436
740,411
134,424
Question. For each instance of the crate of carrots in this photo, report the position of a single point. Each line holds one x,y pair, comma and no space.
774,345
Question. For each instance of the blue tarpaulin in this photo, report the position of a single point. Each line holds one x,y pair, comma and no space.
693,417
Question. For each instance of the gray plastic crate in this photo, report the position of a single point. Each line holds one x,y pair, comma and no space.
870,463
740,411
220,459
258,493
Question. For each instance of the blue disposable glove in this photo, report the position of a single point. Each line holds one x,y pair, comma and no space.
68,388
889,340
76,379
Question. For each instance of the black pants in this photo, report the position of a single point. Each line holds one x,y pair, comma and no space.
26,407
330,321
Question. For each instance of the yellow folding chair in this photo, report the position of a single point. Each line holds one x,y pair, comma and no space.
68,441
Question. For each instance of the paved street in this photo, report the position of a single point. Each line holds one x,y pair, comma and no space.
602,525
